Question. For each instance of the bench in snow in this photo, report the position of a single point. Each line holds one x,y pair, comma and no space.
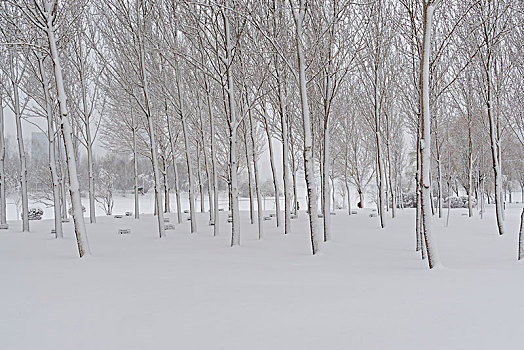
65,220
118,216
320,215
273,215
128,213
169,227
267,218
293,216
4,226
353,212
373,215
230,219
124,231
166,219
53,231
333,213
186,211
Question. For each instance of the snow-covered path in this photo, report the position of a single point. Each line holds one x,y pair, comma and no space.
367,290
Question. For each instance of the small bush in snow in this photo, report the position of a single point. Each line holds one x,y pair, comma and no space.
35,213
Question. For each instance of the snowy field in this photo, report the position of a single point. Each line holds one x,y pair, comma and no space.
367,290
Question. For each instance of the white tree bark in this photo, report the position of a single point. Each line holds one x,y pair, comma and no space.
425,143
233,125
260,214
3,200
285,152
135,167
52,150
521,236
151,127
89,141
214,165
74,188
273,168
21,148
189,163
175,171
298,16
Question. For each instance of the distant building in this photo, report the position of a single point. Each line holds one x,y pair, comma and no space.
39,146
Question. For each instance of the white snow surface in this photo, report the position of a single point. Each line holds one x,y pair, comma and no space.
368,289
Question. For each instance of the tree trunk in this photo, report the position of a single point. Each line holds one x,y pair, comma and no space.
135,169
175,172
260,213
249,182
425,142
380,168
326,193
74,189
306,118
21,149
213,159
89,143
206,164
285,153
233,125
151,127
201,185
521,236
3,199
191,187
52,152
273,168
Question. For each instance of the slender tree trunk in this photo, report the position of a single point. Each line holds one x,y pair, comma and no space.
74,189
249,182
167,207
201,185
233,125
135,169
260,213
433,259
299,15
52,155
89,144
285,153
380,166
213,159
151,127
3,200
21,149
189,164
206,164
273,168
175,172
63,176
390,180
293,175
495,153
521,236
326,193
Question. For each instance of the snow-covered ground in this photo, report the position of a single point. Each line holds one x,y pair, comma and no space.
367,290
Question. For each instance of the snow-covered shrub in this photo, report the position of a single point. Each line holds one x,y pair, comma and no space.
35,213
410,199
458,202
